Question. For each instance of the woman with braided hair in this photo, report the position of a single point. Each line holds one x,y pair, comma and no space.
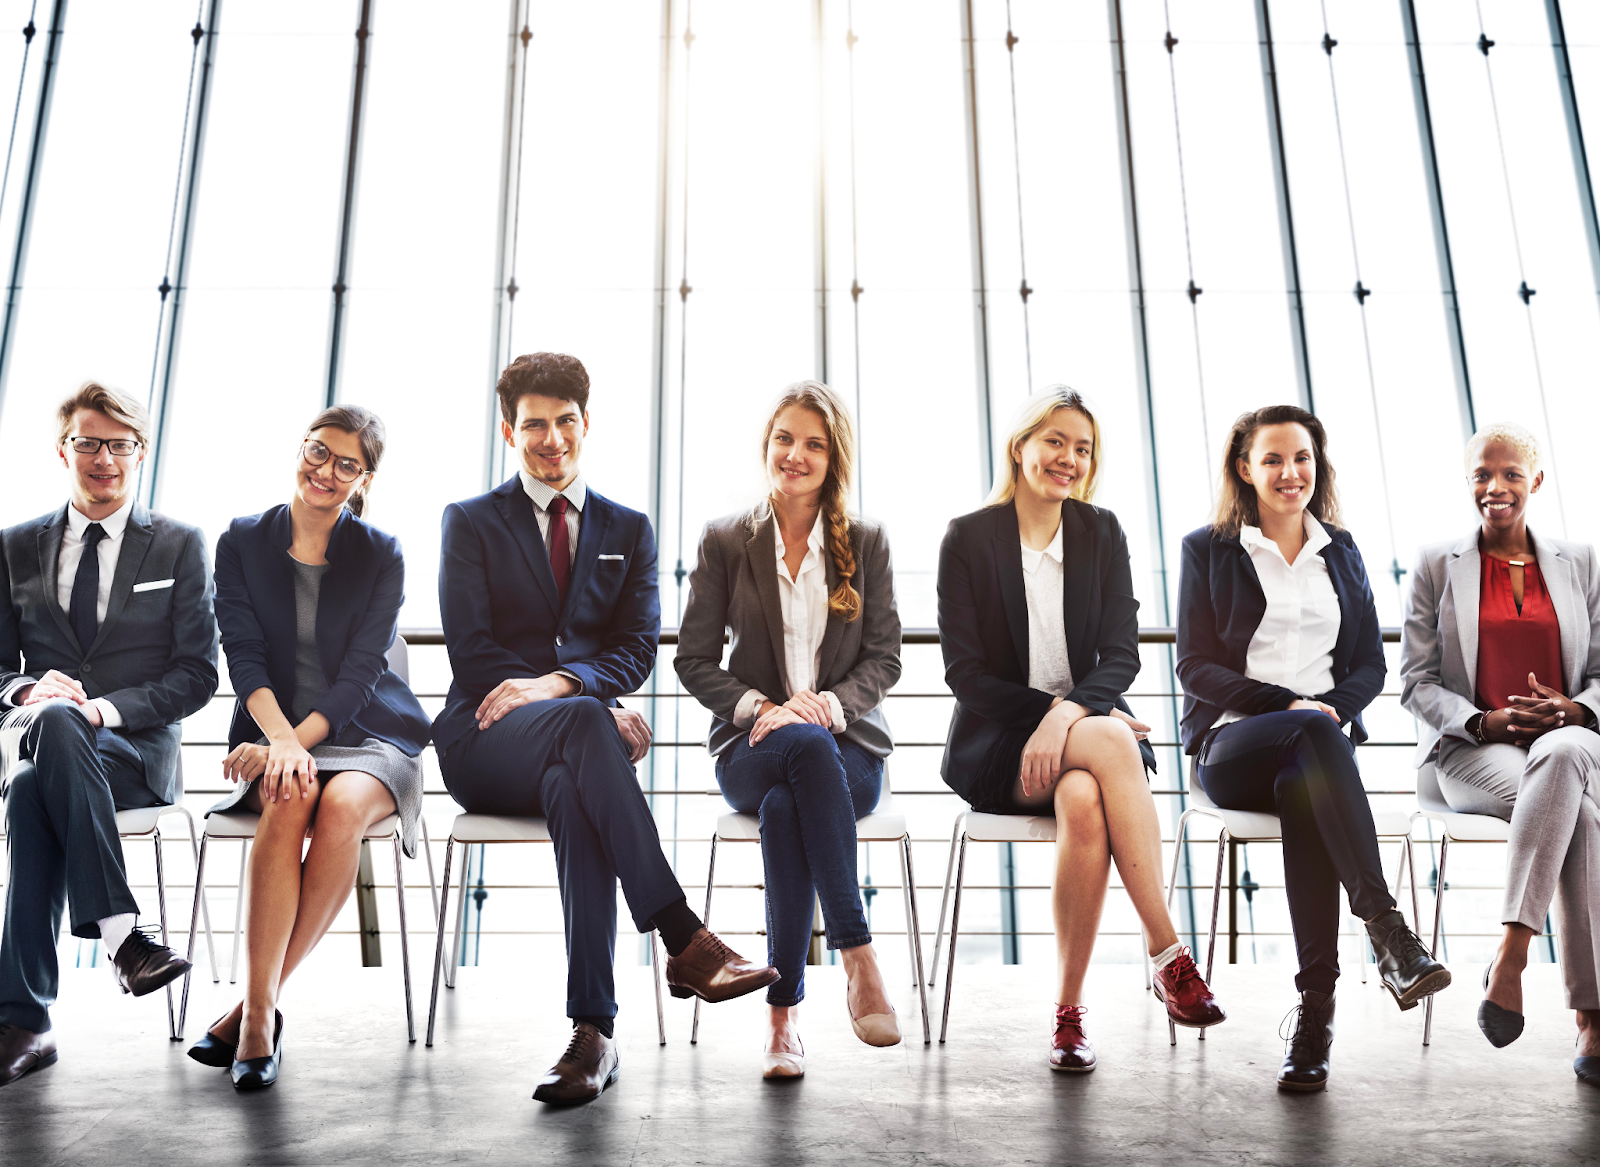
807,593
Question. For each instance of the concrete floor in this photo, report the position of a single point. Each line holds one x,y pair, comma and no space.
353,1091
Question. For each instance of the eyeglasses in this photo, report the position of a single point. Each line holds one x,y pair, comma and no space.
344,469
121,447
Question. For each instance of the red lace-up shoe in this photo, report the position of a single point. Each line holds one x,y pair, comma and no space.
1188,999
1069,1048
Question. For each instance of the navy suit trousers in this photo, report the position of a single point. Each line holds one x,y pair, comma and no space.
61,823
565,760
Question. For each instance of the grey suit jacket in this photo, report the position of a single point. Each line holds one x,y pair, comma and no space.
1439,648
155,657
734,587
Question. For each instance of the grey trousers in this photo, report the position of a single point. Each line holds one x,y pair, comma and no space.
1550,793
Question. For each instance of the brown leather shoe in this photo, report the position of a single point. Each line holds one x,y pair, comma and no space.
143,966
588,1067
712,971
23,1052
1069,1047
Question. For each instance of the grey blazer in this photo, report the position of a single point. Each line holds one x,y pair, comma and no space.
734,587
1439,647
155,657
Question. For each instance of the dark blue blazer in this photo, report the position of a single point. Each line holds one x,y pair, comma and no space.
1220,606
498,602
357,610
983,628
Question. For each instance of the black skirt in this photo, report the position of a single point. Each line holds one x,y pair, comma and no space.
995,785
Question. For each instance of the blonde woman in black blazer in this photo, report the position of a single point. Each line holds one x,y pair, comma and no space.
807,593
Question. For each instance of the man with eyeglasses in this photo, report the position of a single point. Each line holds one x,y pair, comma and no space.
107,642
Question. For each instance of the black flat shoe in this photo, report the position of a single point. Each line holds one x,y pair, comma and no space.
255,1073
1501,1026
1587,1069
212,1051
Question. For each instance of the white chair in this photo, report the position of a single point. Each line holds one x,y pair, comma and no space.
980,827
492,828
1458,827
880,825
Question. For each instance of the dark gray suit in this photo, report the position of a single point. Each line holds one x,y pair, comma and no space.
154,657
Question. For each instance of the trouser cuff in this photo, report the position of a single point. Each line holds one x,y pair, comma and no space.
33,1019
591,1008
851,941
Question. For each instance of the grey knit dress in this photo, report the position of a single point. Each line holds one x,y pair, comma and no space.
400,775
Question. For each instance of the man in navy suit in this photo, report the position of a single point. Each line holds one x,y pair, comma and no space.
551,612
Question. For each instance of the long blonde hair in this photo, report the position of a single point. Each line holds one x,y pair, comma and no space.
844,601
1035,411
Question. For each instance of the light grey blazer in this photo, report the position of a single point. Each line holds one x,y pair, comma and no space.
1439,647
734,587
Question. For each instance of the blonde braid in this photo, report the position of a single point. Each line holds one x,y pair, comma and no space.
845,600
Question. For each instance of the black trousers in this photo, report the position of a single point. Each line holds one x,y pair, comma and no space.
1299,765
566,761
61,823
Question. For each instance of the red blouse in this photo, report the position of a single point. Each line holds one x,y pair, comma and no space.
1512,644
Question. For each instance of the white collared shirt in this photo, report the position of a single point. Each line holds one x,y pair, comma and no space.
71,555
1293,645
804,604
543,494
1044,579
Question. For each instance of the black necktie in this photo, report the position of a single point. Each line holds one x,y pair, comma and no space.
83,613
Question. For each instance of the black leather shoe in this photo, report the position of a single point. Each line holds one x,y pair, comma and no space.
254,1073
213,1051
22,1052
1500,1025
143,966
1587,1069
1408,972
1306,1065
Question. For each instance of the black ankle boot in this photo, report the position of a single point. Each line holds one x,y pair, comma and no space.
1408,972
1305,1066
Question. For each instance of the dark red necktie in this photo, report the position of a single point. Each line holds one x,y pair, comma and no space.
560,553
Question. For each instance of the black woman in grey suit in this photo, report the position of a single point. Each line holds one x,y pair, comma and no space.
107,642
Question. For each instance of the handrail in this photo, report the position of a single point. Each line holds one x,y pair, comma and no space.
1153,634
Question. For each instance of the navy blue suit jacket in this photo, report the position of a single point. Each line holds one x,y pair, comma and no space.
498,601
357,611
1220,606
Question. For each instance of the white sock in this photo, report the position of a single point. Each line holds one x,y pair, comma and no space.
1166,956
114,930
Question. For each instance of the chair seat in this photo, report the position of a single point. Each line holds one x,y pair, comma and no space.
1011,828
243,826
140,821
1470,828
499,828
1253,826
872,828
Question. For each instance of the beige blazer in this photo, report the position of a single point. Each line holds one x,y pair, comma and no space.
734,589
1439,645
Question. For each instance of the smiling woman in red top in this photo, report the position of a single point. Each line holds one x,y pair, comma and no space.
1501,667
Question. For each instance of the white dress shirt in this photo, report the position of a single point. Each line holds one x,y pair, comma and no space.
543,494
1044,580
804,603
109,551
1293,646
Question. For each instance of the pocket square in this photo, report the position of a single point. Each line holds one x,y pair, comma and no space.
153,585
616,557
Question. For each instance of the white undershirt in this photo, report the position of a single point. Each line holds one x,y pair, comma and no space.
804,604
1043,579
1293,646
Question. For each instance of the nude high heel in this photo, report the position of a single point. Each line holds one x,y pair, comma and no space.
880,1029
784,1065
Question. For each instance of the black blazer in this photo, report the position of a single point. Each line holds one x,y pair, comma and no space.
1220,606
357,611
983,628
498,600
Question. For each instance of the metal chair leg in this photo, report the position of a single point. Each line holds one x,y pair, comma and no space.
915,926
438,949
655,972
161,903
1438,916
238,912
944,904
405,945
905,908
1216,903
433,882
1177,852
955,923
194,921
205,908
711,874
461,917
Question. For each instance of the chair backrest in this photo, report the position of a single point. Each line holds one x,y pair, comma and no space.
399,657
1429,796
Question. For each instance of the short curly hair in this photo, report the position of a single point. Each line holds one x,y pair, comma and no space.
1518,438
545,375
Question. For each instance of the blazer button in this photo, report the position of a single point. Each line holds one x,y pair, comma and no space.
88,668
560,642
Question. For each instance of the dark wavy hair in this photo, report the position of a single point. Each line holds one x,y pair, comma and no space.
367,428
545,375
1236,498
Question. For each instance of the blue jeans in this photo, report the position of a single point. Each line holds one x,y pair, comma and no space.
808,788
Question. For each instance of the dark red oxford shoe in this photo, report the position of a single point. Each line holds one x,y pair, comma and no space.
1188,998
1069,1048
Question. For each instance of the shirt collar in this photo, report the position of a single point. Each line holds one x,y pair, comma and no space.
1317,538
1055,549
113,524
543,494
814,541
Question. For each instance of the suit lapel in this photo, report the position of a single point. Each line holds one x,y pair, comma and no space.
136,538
1078,555
593,523
1013,594
1572,613
1466,571
49,569
833,629
761,551
516,508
